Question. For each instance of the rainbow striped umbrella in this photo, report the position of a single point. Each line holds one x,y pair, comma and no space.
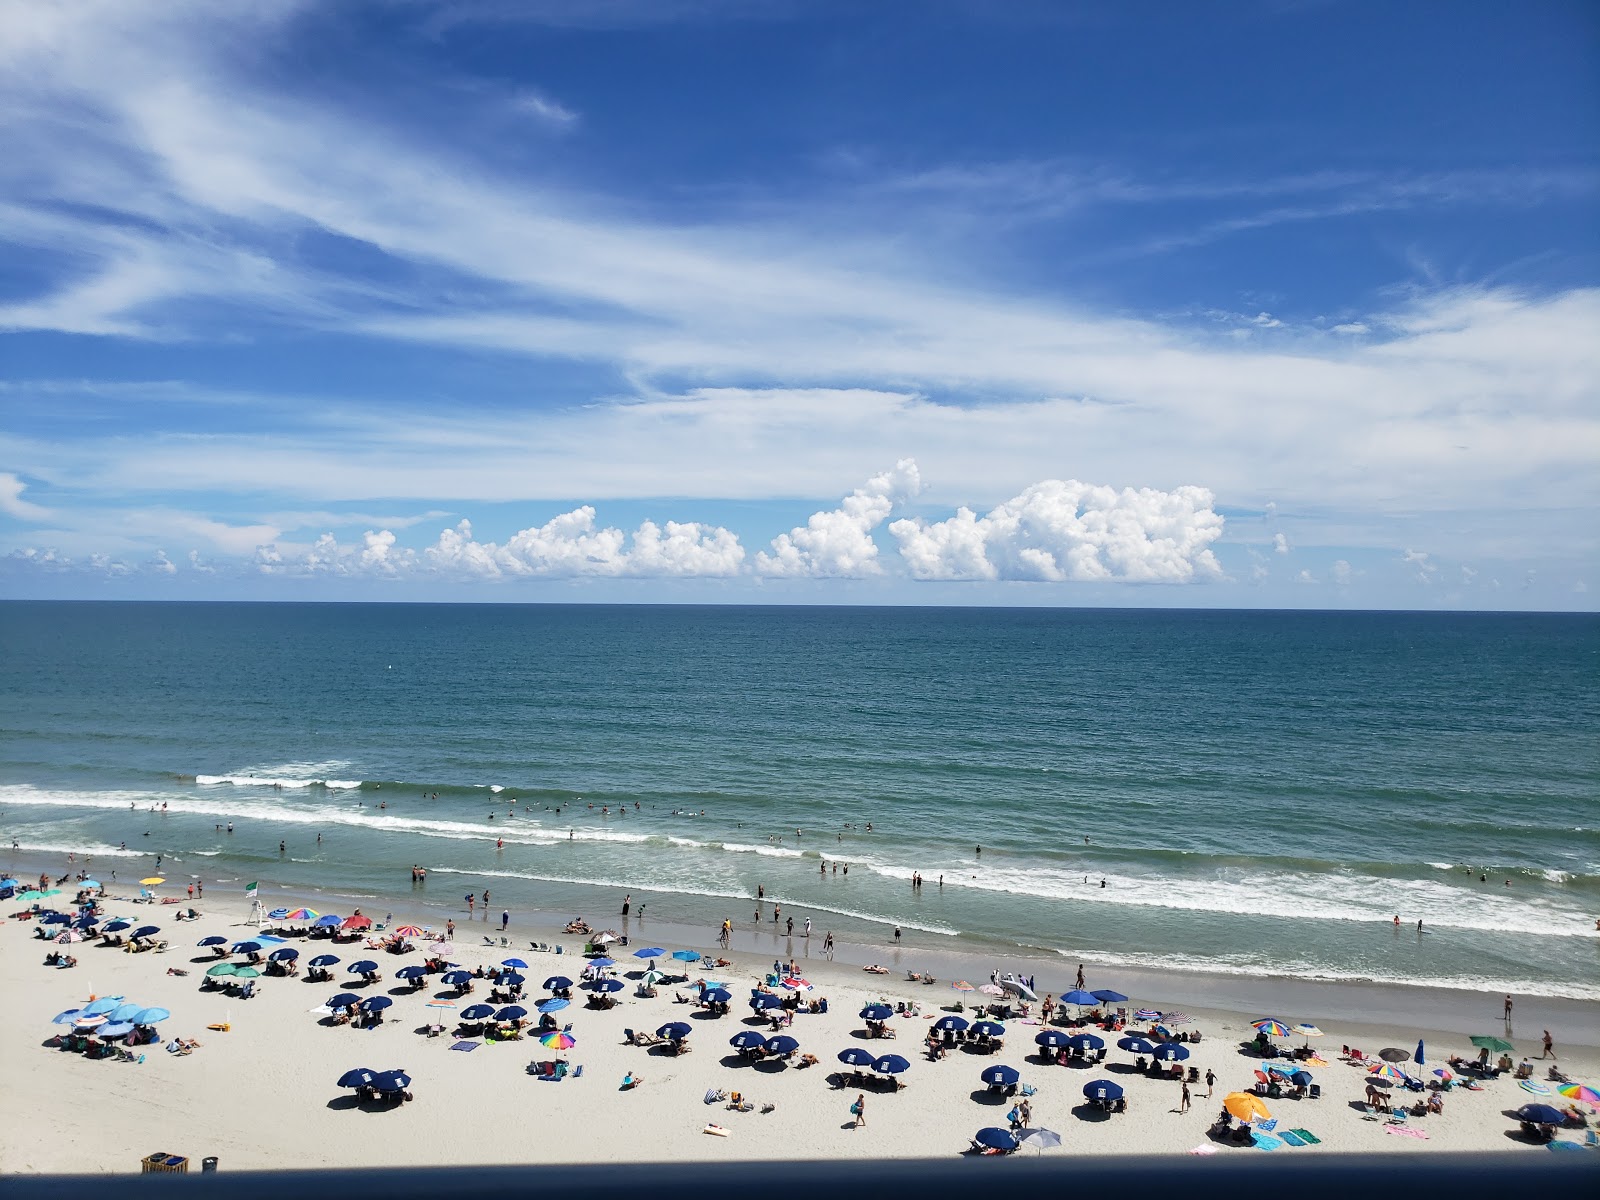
1387,1071
1270,1026
1580,1092
559,1040
302,914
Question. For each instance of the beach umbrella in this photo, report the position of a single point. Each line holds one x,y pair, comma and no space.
1378,1081
602,962
343,1000
650,952
961,985
303,914
1541,1114
54,918
1000,1076
150,1016
514,963
764,1000
286,954
1171,1052
749,1039
125,1012
953,1024
996,1139
716,995
103,1005
1082,1043
1417,1057
246,947
876,1012
1386,1071
1394,1054
375,1003
1176,1018
686,955
675,1031
992,989
88,1020
512,979
355,1078
1102,1089
72,1014
356,923
1301,1078
456,978
391,1081
8,882
87,922
556,983
477,1012
152,881
1136,1044
445,1005
225,968
1490,1042
67,937
1050,1037
795,984
1245,1106
604,985
890,1064
119,925
412,931
325,960
855,1056
1273,1027
781,1043
1041,1138
1534,1086
1080,997
559,1040
91,884
1306,1030
511,1012
1580,1092
35,896
213,940
989,1028
1107,996
365,967
1147,1014
115,1029
441,949
277,914
246,972
555,1004
1444,1073
604,938
328,921
145,931
414,971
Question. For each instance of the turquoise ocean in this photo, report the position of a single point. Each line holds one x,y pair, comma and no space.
1261,792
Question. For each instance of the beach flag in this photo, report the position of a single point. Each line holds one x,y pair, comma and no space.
250,890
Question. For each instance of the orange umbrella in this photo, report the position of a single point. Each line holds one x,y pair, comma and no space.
1245,1106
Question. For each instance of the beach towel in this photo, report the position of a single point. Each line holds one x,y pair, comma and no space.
1204,1150
1308,1136
1265,1141
1293,1138
1560,1145
1410,1131
464,1046
1267,1126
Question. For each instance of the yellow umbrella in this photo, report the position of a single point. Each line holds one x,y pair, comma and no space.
152,881
1245,1106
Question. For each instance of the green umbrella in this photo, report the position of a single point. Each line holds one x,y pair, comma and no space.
35,896
245,972
1490,1042
223,969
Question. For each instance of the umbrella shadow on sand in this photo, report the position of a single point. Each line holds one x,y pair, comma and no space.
1090,1112
985,1095
734,1061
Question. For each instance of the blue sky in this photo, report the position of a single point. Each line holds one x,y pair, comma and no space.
1263,304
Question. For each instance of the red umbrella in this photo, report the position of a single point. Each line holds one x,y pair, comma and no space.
357,923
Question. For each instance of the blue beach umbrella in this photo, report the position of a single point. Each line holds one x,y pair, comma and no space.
604,985
456,978
952,1024
989,1029
150,1016
781,1043
125,1011
119,925
514,962
1541,1114
556,1004
890,1064
414,971
8,882
1000,1076
286,954
477,1012
327,921
855,1056
716,995
147,931
54,918
602,962
511,1012
765,1000
343,1000
246,947
1418,1056
996,1139
675,1031
213,940
325,960
1107,996
87,921
1102,1089
512,979
1053,1038
101,1006
649,952
749,1039
1083,1043
391,1081
115,1029
1080,997
556,983
355,1078
376,1003
876,1012
1171,1052
1137,1045
91,884
277,914
70,1017
686,955
1301,1078
365,967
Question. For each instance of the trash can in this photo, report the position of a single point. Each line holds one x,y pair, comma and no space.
208,1164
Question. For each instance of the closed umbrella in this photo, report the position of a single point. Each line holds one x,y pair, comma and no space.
1000,1076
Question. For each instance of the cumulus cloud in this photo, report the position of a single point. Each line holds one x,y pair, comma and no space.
1063,530
1305,577
838,543
1342,573
571,544
1421,560
12,503
1280,543
161,564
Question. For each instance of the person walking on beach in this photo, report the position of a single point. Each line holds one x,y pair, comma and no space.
1549,1050
827,945
505,919
1211,1081
1183,1098
808,927
859,1109
1079,983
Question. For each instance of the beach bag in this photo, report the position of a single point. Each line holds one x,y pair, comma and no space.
855,1108
1012,1116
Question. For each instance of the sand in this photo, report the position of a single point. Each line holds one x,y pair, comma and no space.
263,1094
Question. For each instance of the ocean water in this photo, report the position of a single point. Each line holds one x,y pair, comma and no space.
1261,793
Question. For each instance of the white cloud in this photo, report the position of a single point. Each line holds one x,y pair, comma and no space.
1280,543
1342,573
12,503
1426,569
1352,328
838,542
1305,577
198,566
572,545
545,109
161,564
1063,530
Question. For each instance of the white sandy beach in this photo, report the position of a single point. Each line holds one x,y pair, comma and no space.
275,1069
